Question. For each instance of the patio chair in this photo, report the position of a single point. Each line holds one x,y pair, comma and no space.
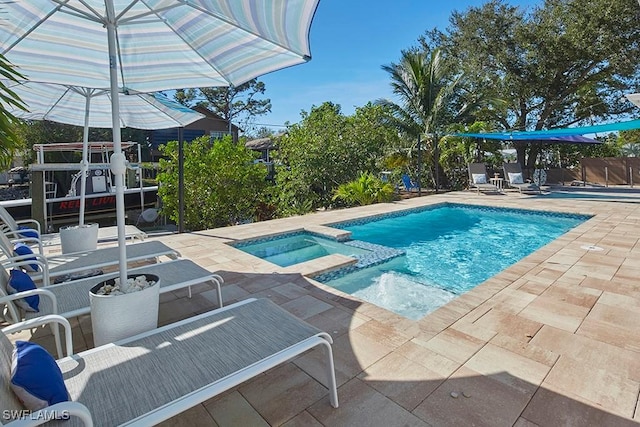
409,185
479,179
514,178
80,264
16,229
71,299
151,377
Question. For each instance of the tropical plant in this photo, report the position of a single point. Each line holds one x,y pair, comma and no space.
425,83
327,149
9,140
224,185
365,190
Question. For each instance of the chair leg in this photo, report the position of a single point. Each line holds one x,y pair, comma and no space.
56,335
331,376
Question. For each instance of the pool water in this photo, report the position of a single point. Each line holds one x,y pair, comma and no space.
449,250
300,247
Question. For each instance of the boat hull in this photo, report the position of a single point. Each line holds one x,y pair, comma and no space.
68,208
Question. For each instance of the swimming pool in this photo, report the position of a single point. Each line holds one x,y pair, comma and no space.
294,248
449,249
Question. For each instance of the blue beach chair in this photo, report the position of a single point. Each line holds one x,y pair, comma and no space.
409,185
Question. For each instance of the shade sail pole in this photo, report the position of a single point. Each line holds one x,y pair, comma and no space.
118,164
84,166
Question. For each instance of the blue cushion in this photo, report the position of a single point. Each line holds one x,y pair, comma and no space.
22,249
27,232
36,378
20,281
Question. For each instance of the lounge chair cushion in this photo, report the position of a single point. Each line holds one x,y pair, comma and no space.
516,178
20,281
479,178
22,249
28,232
35,377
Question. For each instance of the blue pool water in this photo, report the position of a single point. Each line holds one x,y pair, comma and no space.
449,250
296,248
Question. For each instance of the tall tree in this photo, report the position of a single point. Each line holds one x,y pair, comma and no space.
9,140
425,84
237,104
567,62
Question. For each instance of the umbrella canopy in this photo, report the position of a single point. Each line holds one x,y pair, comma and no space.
634,98
159,45
152,46
68,104
88,107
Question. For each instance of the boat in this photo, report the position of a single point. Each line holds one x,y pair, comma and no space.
100,199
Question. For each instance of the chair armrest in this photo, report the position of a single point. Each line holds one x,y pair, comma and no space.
39,291
64,410
30,221
40,321
23,260
27,241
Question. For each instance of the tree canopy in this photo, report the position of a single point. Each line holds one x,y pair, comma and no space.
326,149
238,104
566,62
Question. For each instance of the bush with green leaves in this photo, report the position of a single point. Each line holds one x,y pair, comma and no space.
365,190
327,149
222,187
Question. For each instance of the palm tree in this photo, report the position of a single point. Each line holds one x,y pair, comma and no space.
9,140
424,83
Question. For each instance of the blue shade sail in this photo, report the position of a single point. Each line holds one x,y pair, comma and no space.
558,135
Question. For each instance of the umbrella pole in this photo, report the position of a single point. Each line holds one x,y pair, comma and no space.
84,166
118,163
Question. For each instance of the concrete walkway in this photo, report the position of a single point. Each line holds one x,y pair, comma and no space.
552,340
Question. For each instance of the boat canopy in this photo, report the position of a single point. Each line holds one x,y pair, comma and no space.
77,146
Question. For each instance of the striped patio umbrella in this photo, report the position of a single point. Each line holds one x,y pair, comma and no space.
150,46
91,108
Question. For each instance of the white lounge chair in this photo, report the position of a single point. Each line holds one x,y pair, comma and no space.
148,378
71,299
479,179
78,263
11,227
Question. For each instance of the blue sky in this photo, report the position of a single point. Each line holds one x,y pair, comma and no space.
350,41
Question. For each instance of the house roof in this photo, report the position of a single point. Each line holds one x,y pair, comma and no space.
261,144
211,115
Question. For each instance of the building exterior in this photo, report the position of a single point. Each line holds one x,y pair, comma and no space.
212,125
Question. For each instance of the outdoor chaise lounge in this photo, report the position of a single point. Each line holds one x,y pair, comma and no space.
71,299
514,178
12,228
66,266
479,180
408,183
146,379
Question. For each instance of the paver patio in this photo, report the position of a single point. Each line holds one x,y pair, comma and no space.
552,340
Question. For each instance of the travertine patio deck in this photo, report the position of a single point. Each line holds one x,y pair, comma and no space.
551,340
